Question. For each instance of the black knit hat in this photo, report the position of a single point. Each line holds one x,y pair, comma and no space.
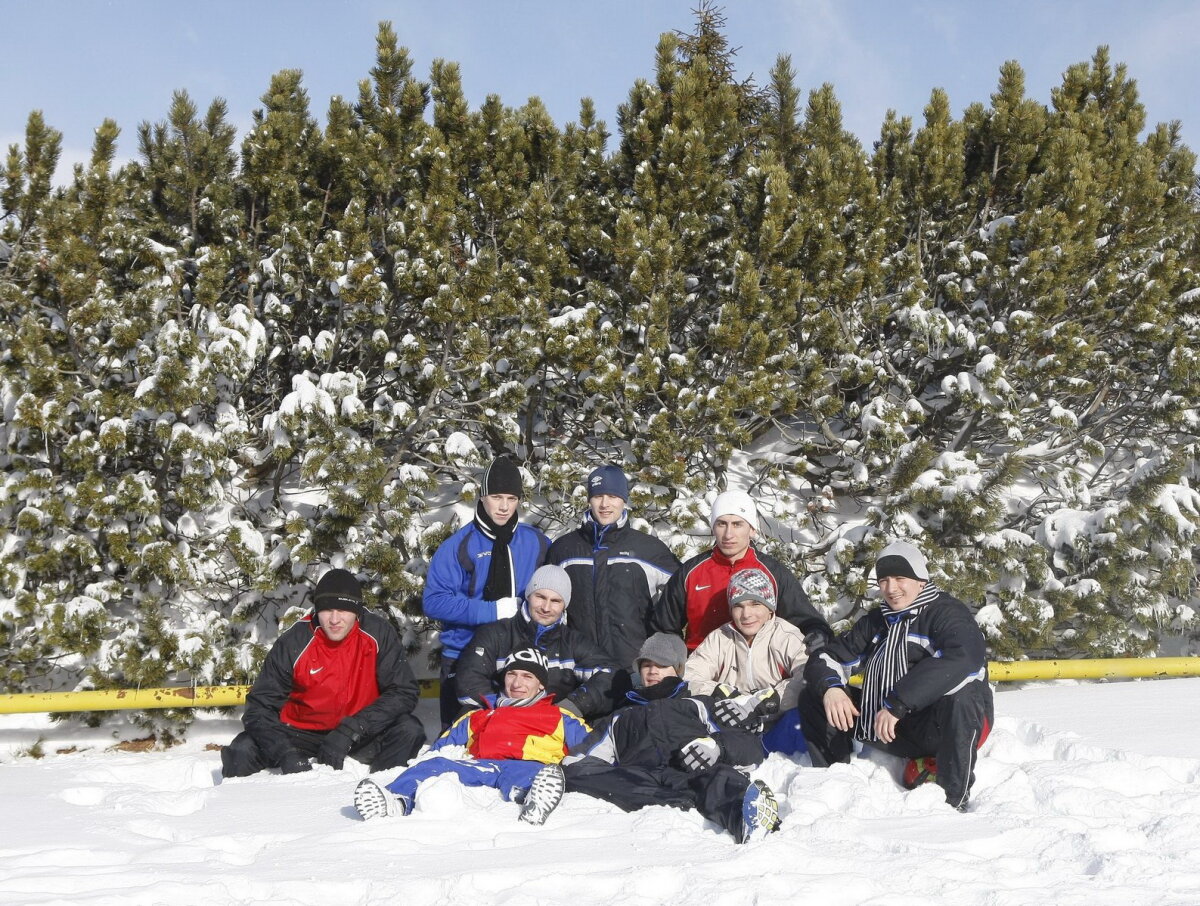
338,590
530,660
502,477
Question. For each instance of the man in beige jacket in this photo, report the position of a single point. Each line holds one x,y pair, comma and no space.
754,665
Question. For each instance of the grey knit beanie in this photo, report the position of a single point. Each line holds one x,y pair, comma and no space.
550,578
663,649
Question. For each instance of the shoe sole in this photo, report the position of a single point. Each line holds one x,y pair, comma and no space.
373,801
760,813
545,792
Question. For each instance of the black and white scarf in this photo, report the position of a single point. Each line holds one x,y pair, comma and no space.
500,581
888,662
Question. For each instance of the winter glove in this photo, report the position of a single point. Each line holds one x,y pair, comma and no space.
568,705
294,763
700,753
338,742
745,712
507,607
814,642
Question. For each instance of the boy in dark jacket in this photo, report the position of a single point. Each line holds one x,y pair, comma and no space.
665,748
617,572
925,693
579,675
334,684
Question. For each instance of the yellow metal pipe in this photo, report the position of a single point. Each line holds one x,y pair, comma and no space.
140,699
225,696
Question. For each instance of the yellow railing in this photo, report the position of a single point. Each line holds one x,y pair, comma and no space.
223,696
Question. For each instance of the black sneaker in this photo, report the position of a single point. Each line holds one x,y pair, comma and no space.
545,792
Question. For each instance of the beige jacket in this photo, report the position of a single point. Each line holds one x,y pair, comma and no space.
776,656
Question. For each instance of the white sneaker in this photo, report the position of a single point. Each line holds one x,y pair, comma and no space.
545,792
760,812
373,801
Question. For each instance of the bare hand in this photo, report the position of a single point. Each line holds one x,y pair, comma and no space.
840,710
885,725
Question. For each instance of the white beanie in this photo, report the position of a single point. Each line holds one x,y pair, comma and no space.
901,559
734,503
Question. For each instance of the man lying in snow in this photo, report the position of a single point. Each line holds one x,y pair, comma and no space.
665,749
508,744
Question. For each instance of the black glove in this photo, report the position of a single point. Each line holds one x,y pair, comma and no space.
294,763
814,642
568,705
338,742
699,754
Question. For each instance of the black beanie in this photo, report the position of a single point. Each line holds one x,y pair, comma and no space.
502,477
531,661
338,590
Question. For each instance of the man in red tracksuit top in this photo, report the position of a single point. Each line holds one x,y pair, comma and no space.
334,684
695,600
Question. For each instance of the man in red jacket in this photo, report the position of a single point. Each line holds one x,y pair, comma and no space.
695,600
334,684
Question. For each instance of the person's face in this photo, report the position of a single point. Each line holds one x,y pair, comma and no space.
749,617
546,606
606,508
521,684
900,591
732,535
653,674
337,624
500,507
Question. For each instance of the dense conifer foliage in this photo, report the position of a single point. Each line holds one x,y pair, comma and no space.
228,360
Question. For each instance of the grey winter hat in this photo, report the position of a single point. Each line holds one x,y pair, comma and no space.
338,590
752,585
663,649
502,477
901,559
550,578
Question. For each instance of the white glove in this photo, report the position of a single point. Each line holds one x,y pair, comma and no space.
700,753
507,607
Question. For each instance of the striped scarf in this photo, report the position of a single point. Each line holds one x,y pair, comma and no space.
888,662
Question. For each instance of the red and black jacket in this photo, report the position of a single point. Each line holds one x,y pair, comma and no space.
310,683
696,596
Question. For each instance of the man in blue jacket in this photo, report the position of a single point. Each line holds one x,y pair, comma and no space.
478,574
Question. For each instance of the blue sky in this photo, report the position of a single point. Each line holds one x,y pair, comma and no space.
80,62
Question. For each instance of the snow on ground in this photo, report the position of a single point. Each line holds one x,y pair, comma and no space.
1087,794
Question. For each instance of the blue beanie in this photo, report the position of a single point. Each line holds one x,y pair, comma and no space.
608,480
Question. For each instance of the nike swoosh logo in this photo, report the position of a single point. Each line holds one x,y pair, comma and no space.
702,587
318,670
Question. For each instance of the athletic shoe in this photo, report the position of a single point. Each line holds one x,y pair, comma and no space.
545,792
373,801
918,771
760,812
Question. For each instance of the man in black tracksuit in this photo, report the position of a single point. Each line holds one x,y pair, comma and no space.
617,572
334,684
580,675
925,693
666,748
